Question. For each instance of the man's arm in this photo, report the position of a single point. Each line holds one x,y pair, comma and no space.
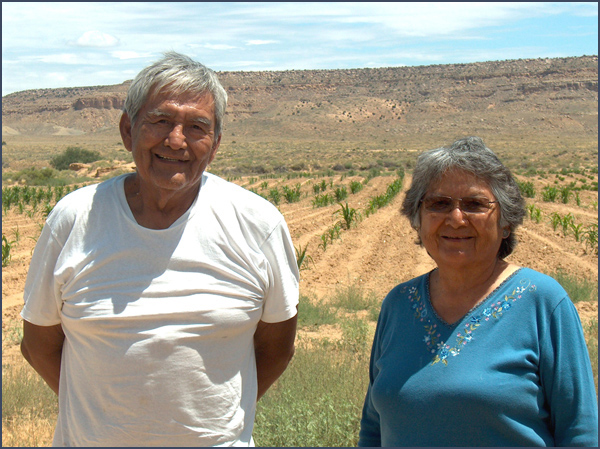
42,348
274,348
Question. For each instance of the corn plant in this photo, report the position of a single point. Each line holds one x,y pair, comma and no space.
380,201
549,194
334,232
567,221
302,259
322,200
565,194
577,230
349,215
555,220
274,196
340,194
46,209
6,247
356,186
527,189
17,234
324,241
292,195
591,237
535,213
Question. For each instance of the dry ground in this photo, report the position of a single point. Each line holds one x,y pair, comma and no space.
378,253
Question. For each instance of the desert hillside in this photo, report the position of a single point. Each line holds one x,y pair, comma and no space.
546,104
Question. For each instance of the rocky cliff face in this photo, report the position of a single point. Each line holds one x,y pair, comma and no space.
533,95
99,102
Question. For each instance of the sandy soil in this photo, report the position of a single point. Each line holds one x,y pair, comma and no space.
377,254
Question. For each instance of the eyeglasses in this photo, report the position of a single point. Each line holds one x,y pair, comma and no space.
468,205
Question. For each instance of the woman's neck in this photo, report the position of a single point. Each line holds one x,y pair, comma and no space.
453,293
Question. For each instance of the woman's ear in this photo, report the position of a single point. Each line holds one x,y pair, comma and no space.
505,233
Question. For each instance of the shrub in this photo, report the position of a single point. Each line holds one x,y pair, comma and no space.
71,155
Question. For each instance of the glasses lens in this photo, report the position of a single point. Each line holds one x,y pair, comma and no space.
475,205
438,203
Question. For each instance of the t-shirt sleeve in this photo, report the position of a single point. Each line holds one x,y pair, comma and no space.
283,292
41,294
566,375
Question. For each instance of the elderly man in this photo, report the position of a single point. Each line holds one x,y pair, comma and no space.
161,305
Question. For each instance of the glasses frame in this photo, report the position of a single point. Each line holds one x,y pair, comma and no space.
458,202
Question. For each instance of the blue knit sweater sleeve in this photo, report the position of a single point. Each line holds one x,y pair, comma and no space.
370,435
567,379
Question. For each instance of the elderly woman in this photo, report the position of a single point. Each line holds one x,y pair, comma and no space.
479,351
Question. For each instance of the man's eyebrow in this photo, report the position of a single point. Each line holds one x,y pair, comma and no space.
201,120
157,113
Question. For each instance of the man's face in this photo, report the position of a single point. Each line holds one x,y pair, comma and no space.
172,141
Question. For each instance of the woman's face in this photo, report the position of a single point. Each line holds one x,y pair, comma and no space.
457,239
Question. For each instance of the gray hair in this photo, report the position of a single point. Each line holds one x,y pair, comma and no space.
177,74
471,155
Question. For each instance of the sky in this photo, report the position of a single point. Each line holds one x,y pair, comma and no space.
54,44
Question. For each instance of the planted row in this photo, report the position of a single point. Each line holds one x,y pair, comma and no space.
584,234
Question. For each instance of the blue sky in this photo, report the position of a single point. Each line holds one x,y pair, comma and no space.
52,44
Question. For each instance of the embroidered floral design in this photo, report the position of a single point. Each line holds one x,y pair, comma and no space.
495,310
432,335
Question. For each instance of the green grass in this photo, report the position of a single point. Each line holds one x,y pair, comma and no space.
317,401
354,298
311,315
578,289
591,337
29,408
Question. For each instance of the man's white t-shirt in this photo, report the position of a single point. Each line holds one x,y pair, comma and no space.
159,324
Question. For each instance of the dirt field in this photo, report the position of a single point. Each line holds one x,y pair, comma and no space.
376,254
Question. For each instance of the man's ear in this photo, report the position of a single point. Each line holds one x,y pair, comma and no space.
215,148
125,128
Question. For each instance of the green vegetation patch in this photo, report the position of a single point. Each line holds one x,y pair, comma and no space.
72,155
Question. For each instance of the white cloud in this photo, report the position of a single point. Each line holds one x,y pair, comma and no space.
260,42
129,54
96,39
218,47
64,58
212,46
